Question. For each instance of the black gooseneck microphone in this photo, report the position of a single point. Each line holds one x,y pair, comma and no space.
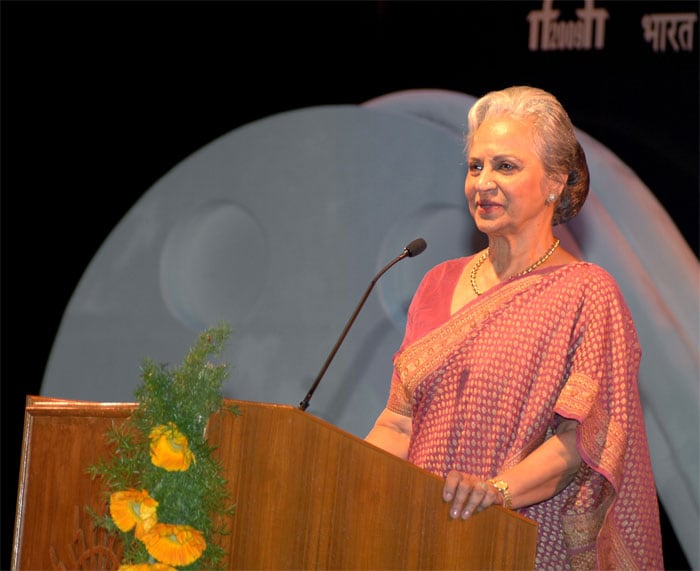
416,247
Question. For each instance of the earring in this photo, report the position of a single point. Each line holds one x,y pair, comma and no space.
551,198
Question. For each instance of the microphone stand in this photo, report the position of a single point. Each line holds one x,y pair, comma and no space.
413,249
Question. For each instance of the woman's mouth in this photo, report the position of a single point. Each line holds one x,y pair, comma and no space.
487,206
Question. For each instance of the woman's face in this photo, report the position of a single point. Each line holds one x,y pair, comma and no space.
506,187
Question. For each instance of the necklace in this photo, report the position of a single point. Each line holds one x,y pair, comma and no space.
527,270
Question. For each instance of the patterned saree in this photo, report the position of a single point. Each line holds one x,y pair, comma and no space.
488,384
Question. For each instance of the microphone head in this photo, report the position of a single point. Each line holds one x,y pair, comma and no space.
416,247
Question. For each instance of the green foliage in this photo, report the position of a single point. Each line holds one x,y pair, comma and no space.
186,396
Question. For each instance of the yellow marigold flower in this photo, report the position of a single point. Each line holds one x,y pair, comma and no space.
147,567
176,545
169,448
131,508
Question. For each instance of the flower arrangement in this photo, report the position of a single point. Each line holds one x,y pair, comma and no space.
167,495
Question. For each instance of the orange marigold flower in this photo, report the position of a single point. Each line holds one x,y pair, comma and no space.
131,508
169,448
147,567
174,544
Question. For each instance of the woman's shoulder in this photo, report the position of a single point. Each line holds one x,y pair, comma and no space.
449,267
590,276
589,270
443,275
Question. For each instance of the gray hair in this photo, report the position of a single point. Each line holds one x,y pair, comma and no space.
555,140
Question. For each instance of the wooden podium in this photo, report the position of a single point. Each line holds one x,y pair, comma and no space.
308,496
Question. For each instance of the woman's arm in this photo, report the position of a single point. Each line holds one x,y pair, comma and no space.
541,475
392,432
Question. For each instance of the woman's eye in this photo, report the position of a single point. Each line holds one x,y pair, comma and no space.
506,166
475,167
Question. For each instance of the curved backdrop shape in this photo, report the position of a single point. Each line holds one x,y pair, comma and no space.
279,226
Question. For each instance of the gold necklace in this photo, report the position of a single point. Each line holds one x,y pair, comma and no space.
527,270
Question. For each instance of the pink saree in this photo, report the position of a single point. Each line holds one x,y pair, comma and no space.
487,385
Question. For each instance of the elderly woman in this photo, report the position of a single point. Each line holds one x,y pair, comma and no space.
516,380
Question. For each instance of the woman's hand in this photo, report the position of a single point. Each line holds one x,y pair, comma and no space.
468,494
538,477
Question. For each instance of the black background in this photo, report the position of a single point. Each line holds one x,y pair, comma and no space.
101,99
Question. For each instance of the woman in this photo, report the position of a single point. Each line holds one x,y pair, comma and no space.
517,377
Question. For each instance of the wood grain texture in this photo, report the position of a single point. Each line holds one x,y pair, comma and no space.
308,496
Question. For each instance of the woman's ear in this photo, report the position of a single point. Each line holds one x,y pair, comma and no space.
556,184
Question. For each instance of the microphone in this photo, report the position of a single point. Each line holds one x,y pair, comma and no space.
415,248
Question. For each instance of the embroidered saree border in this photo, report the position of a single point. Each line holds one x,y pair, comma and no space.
601,437
418,360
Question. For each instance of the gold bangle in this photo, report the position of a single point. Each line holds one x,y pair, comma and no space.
502,488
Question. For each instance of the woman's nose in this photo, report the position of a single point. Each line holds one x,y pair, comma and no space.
485,181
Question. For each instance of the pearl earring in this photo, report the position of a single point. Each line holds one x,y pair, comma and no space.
551,198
